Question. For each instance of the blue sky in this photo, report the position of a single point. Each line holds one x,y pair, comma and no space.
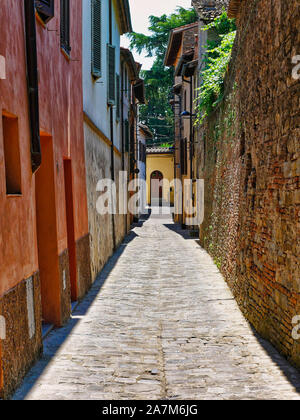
141,10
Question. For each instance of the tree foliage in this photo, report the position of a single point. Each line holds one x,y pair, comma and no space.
157,113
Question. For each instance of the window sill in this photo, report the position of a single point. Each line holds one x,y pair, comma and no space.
14,195
40,20
65,54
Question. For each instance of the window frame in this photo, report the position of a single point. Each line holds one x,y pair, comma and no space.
45,9
96,72
65,19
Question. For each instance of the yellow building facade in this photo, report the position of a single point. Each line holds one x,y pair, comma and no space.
160,166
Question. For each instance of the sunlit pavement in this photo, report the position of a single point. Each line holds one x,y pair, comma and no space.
159,323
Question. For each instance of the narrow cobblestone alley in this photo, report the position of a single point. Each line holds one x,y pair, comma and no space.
159,323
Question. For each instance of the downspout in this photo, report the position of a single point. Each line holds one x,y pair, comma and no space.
32,81
112,167
191,138
180,154
122,133
191,128
136,151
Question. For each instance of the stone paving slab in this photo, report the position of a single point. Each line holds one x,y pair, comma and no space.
159,323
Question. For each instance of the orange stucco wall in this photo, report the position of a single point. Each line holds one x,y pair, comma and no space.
60,91
18,251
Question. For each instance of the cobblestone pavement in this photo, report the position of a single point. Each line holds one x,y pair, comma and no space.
159,323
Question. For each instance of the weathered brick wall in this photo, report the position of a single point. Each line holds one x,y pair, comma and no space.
250,159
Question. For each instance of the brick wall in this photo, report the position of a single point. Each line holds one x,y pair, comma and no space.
249,155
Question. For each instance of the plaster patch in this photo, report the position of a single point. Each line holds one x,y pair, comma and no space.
2,68
2,328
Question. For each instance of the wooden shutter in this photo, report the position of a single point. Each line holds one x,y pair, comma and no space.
118,97
96,38
65,25
45,9
111,74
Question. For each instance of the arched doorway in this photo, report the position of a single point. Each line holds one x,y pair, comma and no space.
156,188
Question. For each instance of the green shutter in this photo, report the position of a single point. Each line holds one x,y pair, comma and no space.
118,97
111,82
96,38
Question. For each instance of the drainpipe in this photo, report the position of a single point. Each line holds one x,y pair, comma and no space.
32,81
112,167
191,127
181,173
122,131
191,138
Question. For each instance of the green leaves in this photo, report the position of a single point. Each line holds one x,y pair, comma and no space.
216,62
158,113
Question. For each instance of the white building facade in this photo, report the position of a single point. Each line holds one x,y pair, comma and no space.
104,21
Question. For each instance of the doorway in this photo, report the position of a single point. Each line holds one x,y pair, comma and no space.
70,228
47,235
156,188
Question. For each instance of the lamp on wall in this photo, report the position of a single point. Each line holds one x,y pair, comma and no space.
187,114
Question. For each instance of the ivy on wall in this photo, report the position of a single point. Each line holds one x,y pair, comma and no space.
216,61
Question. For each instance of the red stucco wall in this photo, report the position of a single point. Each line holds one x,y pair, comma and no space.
60,90
18,252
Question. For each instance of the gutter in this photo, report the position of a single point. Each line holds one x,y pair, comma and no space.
32,81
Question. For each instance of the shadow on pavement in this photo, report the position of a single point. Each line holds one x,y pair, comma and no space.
58,336
289,371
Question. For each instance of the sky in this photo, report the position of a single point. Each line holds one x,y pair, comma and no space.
140,11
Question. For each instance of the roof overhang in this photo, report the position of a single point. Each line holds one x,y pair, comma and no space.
125,17
189,69
233,8
127,56
185,58
139,91
160,151
148,133
174,44
177,88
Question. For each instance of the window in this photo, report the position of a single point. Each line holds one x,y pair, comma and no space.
45,9
96,39
65,25
111,85
118,109
11,154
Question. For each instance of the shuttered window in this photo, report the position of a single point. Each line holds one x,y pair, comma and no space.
96,38
45,9
111,71
65,25
118,109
